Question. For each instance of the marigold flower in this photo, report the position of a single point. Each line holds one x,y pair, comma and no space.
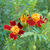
36,19
16,29
23,18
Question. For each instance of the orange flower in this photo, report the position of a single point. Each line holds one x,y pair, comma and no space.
35,17
23,18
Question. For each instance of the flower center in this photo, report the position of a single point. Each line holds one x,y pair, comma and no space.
35,17
15,29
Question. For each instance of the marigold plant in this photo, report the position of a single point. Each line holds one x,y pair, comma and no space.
35,19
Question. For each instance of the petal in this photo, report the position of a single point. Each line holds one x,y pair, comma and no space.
7,27
19,25
12,23
46,19
41,21
11,35
15,37
21,32
40,17
38,24
19,19
27,14
31,22
29,17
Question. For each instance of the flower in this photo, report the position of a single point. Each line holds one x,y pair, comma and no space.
23,19
16,29
36,19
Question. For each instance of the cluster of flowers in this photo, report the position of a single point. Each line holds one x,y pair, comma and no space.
16,29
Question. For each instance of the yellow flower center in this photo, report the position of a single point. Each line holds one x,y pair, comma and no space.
23,19
35,17
15,29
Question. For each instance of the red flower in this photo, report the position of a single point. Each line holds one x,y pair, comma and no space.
32,23
16,29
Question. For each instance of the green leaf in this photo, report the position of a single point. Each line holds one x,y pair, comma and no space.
36,29
35,37
39,37
44,37
26,34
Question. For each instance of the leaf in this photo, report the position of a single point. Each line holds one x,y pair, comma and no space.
36,29
39,37
26,34
44,37
35,37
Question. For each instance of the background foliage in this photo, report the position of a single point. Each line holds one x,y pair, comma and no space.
11,10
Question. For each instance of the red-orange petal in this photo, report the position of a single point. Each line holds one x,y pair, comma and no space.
15,37
46,19
40,17
7,27
19,18
12,23
11,35
21,32
19,25
41,21
31,22
27,14
38,24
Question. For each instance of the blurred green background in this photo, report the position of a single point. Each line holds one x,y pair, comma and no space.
10,10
